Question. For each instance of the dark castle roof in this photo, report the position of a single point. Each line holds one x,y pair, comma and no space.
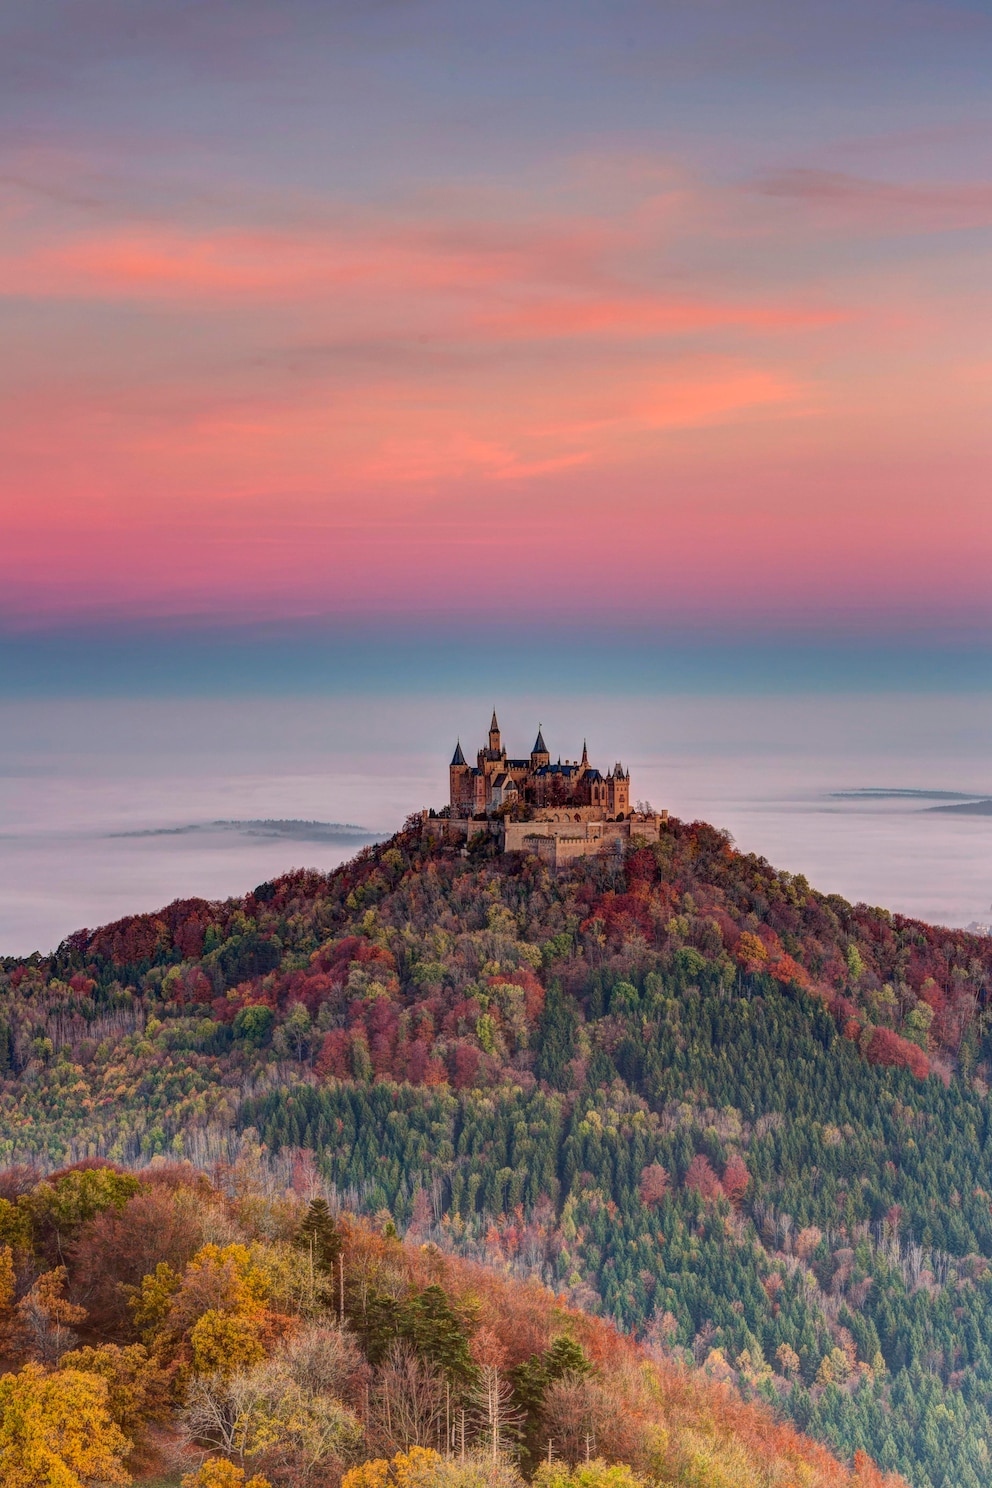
539,745
458,758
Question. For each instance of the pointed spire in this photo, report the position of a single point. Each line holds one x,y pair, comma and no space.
458,758
585,753
539,745
494,726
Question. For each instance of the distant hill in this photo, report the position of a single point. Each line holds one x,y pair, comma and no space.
967,808
340,833
743,1118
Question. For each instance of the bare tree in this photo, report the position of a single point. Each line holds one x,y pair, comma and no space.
493,1397
326,1360
406,1403
584,1419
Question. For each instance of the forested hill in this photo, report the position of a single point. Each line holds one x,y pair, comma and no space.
156,1323
745,1119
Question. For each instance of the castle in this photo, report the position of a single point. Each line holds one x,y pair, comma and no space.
496,782
558,811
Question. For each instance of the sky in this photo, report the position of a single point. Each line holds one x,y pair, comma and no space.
358,328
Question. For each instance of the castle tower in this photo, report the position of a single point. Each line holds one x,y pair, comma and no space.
494,744
458,773
618,782
585,756
539,754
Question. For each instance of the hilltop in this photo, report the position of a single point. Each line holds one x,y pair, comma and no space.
747,1121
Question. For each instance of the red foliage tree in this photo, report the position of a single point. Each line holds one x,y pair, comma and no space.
888,1048
735,1178
701,1177
654,1184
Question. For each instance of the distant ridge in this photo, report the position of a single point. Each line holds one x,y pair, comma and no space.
968,808
295,830
872,793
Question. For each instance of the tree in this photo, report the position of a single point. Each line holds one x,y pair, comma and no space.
137,1389
556,1035
11,1322
319,1236
653,1185
217,1472
438,1331
582,1418
263,1413
325,1360
226,1342
593,1474
408,1403
253,1024
493,1394
421,1467
736,1178
701,1177
47,1317
56,1431
752,954
114,1249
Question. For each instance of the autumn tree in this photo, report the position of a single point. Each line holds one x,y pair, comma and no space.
701,1177
137,1389
217,1472
653,1185
56,1431
48,1317
736,1178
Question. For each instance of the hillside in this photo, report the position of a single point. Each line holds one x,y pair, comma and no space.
178,1319
746,1120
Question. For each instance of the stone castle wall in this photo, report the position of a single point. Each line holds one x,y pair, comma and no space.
557,838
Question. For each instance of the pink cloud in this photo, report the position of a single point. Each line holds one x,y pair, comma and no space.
372,409
884,205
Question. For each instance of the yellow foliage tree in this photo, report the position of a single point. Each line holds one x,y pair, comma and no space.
217,1472
150,1302
136,1386
6,1278
421,1467
56,1431
11,1326
226,1342
594,1474
834,1368
236,1271
416,1468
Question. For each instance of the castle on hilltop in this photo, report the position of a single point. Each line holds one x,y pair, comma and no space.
558,811
496,782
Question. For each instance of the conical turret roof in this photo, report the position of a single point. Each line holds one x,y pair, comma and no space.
539,745
494,726
458,758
